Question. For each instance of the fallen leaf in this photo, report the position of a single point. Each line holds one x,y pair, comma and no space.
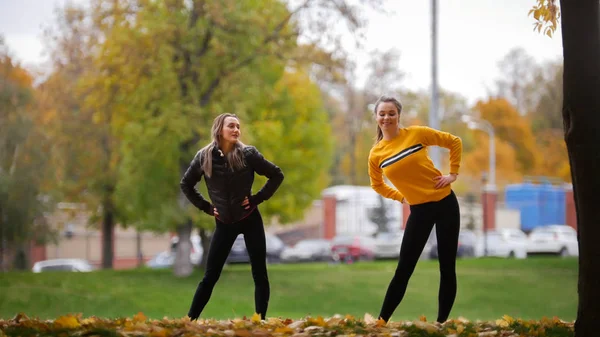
284,330
295,325
139,317
426,326
369,319
242,333
159,332
69,322
508,319
255,318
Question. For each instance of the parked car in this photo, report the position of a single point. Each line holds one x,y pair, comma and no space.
196,252
553,239
387,244
239,253
467,240
162,260
165,259
72,265
307,250
352,248
503,242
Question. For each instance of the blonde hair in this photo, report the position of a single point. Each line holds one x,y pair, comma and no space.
235,158
385,99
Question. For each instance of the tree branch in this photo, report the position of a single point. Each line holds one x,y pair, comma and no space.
13,165
206,96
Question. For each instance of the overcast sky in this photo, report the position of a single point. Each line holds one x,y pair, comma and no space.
473,36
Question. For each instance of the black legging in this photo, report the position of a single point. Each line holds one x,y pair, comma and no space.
446,215
220,246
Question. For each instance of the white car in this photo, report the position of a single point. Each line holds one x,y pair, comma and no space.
504,242
308,250
195,253
73,265
553,239
387,244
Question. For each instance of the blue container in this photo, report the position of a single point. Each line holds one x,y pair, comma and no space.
553,205
539,205
546,205
525,198
561,205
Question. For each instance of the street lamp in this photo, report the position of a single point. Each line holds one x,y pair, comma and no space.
482,124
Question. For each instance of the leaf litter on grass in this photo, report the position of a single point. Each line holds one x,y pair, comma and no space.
139,325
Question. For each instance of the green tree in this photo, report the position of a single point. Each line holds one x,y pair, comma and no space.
80,99
23,164
284,128
182,65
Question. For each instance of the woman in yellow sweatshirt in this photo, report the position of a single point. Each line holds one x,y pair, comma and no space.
401,155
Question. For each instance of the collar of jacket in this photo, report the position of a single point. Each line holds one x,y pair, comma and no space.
217,152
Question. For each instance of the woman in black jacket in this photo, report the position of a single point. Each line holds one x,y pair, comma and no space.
228,167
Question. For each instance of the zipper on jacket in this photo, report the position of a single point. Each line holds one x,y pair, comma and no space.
227,182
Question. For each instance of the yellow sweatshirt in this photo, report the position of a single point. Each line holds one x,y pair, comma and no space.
405,162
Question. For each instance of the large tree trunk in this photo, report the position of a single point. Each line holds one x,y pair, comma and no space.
21,258
581,115
108,225
183,264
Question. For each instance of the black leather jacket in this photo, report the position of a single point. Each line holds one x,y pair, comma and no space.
226,188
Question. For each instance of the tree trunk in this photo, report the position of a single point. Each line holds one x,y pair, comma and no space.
138,244
21,260
581,116
183,264
108,225
2,241
205,239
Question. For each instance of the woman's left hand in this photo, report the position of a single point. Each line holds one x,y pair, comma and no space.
246,203
446,180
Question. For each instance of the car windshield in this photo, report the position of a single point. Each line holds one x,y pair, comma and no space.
343,240
58,267
308,244
466,237
388,235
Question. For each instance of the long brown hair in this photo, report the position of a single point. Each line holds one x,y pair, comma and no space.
235,157
385,99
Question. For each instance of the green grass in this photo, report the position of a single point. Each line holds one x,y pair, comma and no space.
487,289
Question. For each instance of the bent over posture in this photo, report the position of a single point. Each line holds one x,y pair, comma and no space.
401,155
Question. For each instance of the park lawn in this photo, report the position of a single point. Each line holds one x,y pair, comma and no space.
487,289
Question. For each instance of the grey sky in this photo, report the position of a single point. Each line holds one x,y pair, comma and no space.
473,36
